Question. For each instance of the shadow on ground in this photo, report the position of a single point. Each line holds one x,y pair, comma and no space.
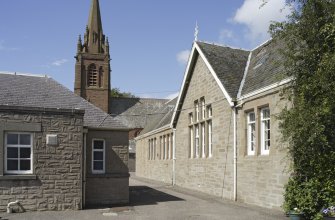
143,195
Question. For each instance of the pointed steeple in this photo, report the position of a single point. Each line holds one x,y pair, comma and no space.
95,38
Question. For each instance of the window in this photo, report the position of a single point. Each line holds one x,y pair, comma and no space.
161,148
251,133
197,113
168,147
209,111
18,153
149,149
203,140
171,144
155,144
265,131
203,108
210,147
165,148
190,117
98,156
191,152
197,147
92,75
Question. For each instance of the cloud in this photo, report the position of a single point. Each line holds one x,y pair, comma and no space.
59,62
257,16
172,96
226,34
182,56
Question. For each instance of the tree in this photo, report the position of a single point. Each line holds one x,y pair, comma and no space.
116,93
309,126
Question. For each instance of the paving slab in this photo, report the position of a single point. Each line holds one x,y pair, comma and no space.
155,200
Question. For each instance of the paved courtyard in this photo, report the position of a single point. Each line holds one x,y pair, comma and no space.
152,200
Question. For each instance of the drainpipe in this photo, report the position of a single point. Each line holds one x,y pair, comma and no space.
235,154
174,158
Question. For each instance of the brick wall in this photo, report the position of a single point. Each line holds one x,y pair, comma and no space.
113,186
57,175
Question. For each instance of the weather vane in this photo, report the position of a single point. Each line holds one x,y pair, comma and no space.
196,32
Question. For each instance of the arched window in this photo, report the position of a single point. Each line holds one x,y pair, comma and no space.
92,75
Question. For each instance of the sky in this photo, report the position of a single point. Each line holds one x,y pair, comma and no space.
150,40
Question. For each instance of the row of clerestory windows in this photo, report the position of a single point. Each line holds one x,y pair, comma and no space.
165,149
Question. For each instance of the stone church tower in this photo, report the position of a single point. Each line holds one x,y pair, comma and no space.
92,71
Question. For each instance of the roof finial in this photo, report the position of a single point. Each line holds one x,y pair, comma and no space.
196,31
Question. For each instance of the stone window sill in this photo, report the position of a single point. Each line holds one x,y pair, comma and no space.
18,177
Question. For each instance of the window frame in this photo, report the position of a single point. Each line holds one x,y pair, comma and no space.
265,150
197,141
104,156
251,129
210,138
18,172
203,140
203,108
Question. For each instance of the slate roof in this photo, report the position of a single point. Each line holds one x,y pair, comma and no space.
229,65
162,118
135,112
265,67
37,91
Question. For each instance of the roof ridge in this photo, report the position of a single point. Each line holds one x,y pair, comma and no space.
224,45
25,74
262,44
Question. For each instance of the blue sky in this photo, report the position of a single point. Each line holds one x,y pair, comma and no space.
149,39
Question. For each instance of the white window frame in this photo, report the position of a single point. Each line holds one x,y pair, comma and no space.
104,156
191,142
210,140
197,111
168,147
265,148
165,147
155,148
251,132
19,146
190,118
203,108
197,141
203,140
209,111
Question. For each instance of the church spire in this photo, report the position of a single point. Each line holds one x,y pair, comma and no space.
95,38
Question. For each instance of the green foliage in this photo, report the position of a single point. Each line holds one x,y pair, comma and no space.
116,93
309,126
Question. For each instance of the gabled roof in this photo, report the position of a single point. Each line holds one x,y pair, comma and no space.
162,118
45,92
135,112
265,68
238,73
228,64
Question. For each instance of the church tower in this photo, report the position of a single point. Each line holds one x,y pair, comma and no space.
92,71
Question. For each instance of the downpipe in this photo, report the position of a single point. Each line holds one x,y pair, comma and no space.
235,153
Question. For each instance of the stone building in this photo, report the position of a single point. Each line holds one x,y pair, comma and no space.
58,151
226,139
93,81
